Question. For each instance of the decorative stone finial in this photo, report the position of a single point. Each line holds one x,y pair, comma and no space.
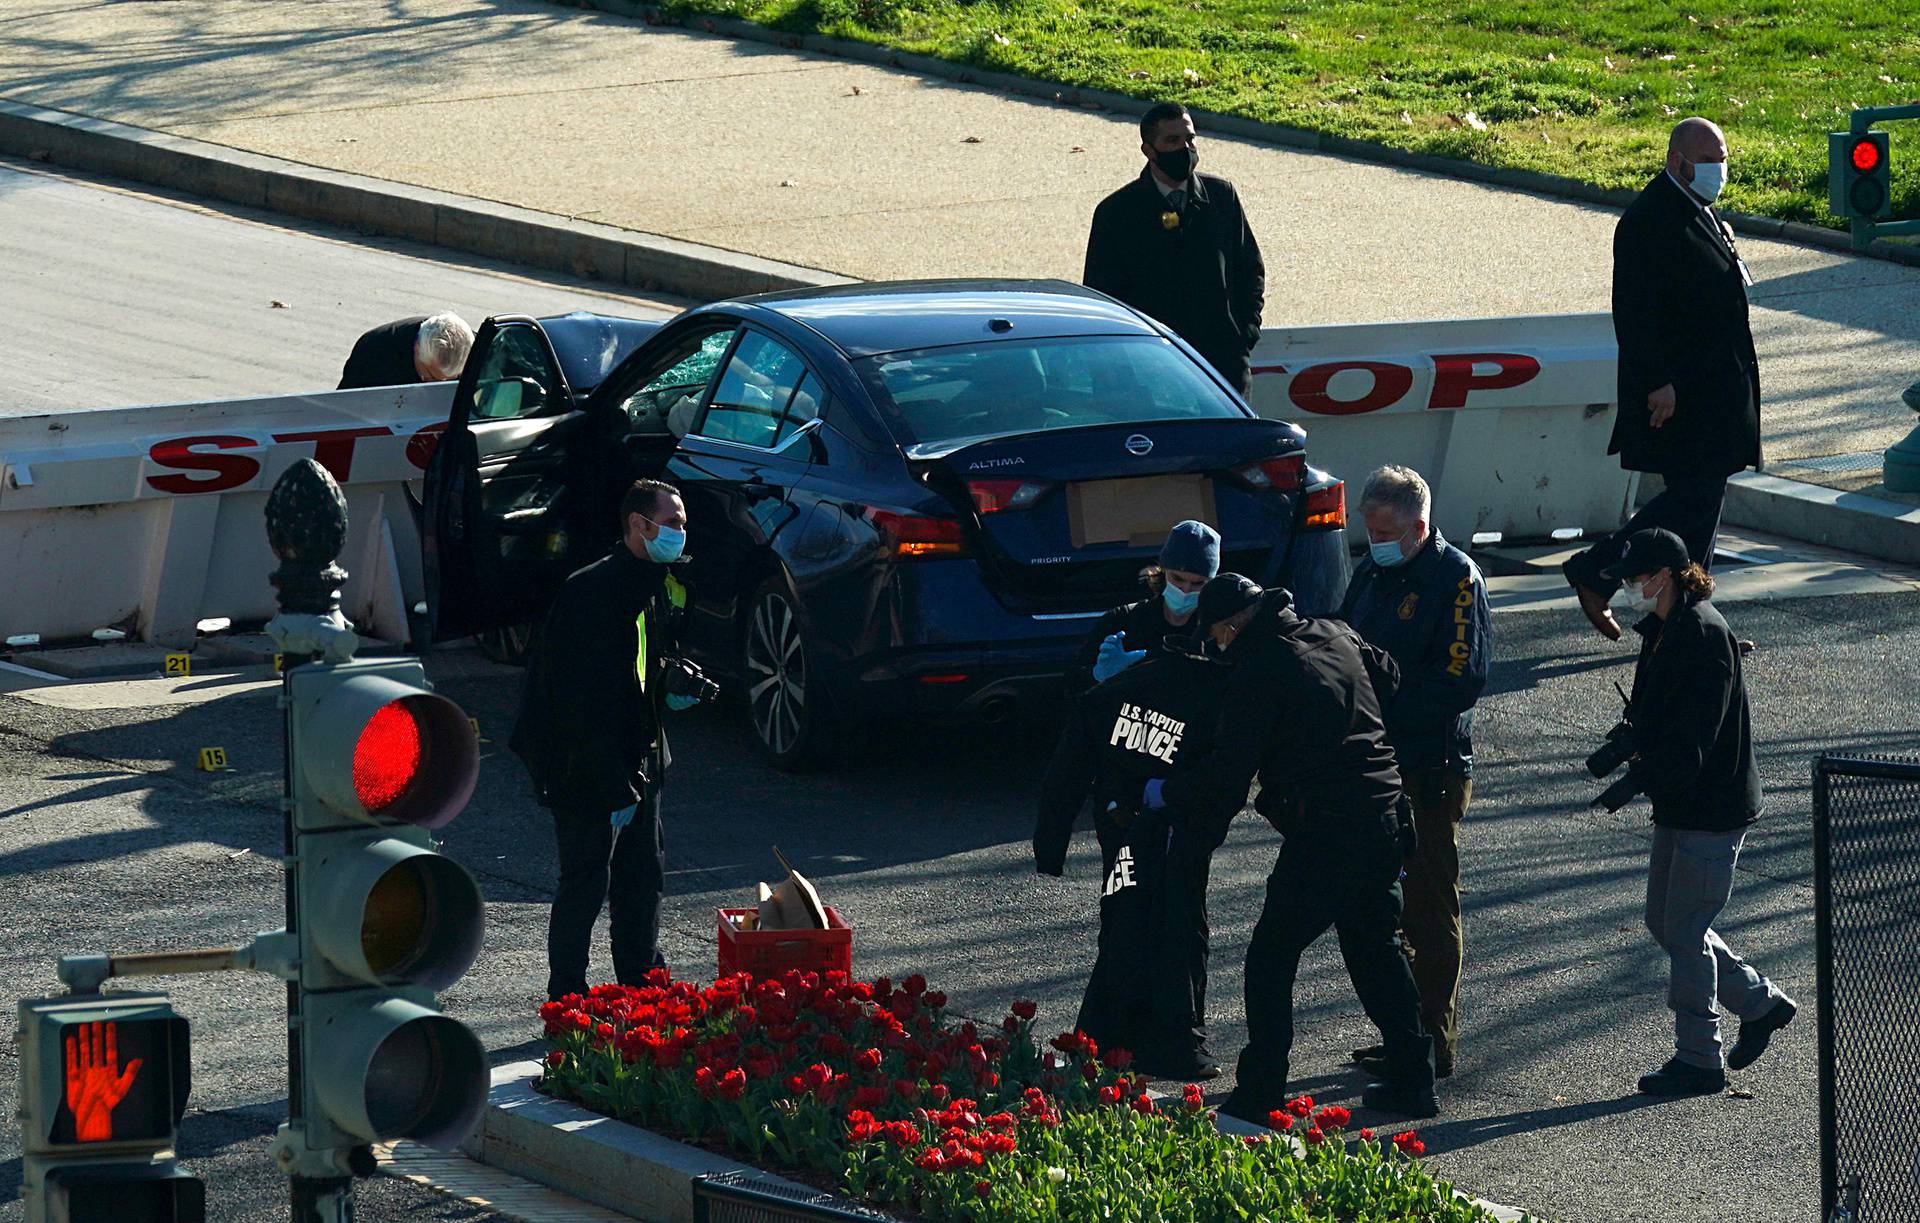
307,528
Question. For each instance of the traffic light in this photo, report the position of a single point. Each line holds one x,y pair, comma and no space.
103,1083
1859,179
382,921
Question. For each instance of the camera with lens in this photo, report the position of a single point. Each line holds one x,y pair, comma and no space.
678,677
1617,749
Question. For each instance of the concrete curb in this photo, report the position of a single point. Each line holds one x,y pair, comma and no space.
1852,522
593,1157
1534,181
398,210
622,1167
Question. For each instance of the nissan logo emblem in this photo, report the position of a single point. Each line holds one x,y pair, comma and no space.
1139,444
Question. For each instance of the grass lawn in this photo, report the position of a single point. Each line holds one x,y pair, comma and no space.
1586,90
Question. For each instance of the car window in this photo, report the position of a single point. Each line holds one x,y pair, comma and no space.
751,403
934,395
667,402
803,407
515,377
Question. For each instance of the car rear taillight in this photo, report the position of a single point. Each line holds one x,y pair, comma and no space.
992,496
1284,474
1325,507
909,535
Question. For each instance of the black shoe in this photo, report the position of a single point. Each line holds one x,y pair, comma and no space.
1197,1066
1241,1108
1678,1078
1380,1068
1368,1052
1755,1033
1404,1099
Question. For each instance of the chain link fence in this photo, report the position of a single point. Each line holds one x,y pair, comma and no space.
1866,839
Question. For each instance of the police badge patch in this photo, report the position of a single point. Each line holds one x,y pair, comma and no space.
1407,606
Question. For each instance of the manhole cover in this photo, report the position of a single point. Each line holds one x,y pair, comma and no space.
1835,463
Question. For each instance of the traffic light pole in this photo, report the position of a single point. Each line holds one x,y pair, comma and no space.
307,528
1865,229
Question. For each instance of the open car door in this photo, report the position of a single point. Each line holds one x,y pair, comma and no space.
500,526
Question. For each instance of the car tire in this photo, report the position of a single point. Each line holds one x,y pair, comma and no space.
786,703
509,646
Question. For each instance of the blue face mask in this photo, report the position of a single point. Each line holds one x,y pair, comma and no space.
1388,554
666,546
1180,602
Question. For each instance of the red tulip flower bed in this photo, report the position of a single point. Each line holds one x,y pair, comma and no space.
871,1087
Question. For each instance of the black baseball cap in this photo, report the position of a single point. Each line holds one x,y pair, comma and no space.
1648,550
1223,596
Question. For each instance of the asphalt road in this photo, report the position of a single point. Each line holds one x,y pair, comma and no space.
119,297
109,838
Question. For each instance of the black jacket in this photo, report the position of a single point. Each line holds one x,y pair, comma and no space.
383,356
1203,278
1144,723
588,733
1690,722
1145,627
1302,711
1431,615
1680,315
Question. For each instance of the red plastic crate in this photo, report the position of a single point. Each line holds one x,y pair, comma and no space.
769,953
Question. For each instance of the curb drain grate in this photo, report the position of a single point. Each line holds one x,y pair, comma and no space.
1838,464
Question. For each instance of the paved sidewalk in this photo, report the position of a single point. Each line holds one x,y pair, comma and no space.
882,174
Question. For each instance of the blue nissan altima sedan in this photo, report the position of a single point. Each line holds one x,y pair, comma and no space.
906,499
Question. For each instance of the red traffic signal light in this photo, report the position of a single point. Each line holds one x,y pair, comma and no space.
387,757
1865,156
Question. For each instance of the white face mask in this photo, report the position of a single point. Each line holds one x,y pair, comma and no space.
1639,597
1709,179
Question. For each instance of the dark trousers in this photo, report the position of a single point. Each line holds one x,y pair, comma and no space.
1147,991
625,872
1430,916
1321,882
1689,506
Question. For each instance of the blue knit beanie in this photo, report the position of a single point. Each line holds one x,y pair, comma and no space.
1192,547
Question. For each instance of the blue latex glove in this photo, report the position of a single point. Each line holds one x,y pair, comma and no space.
1152,799
624,816
1114,658
680,704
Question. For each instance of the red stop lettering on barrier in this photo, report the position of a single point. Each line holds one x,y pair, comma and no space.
1308,390
228,470
1454,379
425,440
333,448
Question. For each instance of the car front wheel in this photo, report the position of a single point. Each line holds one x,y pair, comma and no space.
785,701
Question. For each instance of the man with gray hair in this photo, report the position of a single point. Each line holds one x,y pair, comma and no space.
1423,601
1689,384
429,348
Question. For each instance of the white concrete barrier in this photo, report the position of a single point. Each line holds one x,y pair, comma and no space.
150,519
1507,418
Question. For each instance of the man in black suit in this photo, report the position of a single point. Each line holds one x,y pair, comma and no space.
429,348
1689,393
1175,245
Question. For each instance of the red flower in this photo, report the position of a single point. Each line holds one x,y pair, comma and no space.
1333,1117
1118,1059
557,1058
905,1089
703,1081
1279,1119
817,1074
1025,1010
915,985
1110,1095
1192,1100
861,1126
1366,1135
733,1084
761,1067
935,999
1301,1106
1143,1104
983,1188
1090,1071
1316,1136
1409,1144
938,1093
931,1159
867,1060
